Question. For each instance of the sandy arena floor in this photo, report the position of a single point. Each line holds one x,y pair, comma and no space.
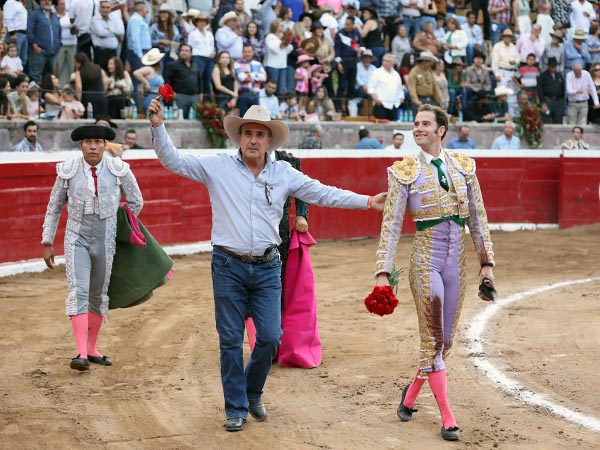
164,391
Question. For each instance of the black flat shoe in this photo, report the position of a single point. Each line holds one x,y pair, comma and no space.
404,412
103,361
80,364
450,434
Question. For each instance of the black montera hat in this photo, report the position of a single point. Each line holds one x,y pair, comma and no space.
92,132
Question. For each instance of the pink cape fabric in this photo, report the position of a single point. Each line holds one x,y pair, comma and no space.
300,343
136,237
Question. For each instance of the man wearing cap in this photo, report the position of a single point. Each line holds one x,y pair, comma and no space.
576,50
397,141
507,140
441,191
364,70
580,87
385,88
313,139
91,186
554,49
228,36
422,85
551,92
248,191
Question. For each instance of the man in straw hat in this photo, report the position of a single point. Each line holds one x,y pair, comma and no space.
554,49
422,85
228,37
576,51
248,191
441,191
91,185
505,58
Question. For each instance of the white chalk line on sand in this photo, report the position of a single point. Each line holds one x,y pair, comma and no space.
475,341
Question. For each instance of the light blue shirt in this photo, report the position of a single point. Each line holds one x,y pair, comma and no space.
501,143
243,221
368,143
138,35
457,144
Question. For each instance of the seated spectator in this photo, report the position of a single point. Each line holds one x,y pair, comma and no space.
462,141
289,109
577,143
500,104
425,40
480,110
225,85
422,86
401,44
457,81
397,141
120,88
50,92
507,140
70,107
131,140
478,77
366,142
526,78
29,142
11,65
455,42
35,108
5,108
364,70
474,35
314,137
267,98
322,106
19,101
440,28
439,70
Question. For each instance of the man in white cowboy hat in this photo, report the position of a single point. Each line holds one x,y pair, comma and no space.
248,191
422,86
505,58
507,140
576,50
229,37
500,105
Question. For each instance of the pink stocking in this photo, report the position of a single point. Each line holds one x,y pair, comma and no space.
95,322
437,382
251,332
413,391
80,328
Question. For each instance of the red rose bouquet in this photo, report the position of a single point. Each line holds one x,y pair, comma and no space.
381,301
212,117
529,125
166,93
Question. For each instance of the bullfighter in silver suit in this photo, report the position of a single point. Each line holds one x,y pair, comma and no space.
441,191
91,185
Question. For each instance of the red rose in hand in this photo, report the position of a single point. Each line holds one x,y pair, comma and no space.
166,92
381,301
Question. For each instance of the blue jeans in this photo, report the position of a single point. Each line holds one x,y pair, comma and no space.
413,26
205,64
237,284
290,81
22,46
278,75
39,65
135,62
499,28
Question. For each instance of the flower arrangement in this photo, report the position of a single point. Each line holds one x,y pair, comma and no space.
529,125
212,117
382,300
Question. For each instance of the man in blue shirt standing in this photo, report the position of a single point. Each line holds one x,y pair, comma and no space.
43,35
462,141
507,140
139,41
248,191
366,142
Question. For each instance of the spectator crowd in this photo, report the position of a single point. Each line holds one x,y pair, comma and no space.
311,60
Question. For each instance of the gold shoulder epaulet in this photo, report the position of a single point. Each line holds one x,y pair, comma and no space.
407,170
463,163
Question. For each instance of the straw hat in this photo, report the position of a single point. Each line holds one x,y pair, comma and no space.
558,34
502,90
257,114
507,32
231,15
580,34
201,16
426,55
366,52
152,57
167,8
192,12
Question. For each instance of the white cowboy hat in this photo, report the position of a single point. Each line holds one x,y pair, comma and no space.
231,15
152,57
257,114
426,55
502,90
167,8
192,12
579,34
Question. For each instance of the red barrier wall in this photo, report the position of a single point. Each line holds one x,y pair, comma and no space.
517,189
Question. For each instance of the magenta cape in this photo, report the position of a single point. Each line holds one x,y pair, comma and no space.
300,343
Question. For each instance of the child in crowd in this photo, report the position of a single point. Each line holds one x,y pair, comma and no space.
527,76
289,108
35,109
302,76
317,78
70,107
11,65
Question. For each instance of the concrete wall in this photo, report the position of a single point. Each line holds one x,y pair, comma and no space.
55,135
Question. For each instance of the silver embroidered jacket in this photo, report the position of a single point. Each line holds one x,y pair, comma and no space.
71,188
413,184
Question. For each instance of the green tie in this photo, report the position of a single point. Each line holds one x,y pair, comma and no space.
441,174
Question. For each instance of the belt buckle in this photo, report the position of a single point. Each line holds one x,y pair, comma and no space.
247,258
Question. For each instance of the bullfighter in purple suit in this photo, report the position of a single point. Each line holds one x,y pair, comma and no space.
441,191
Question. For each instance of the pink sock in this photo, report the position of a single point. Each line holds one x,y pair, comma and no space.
413,391
437,382
95,323
251,332
80,328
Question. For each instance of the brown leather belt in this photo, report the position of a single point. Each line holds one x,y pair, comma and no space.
270,254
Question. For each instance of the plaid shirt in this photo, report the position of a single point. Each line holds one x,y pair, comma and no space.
502,17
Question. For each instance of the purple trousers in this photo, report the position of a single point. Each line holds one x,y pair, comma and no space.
437,281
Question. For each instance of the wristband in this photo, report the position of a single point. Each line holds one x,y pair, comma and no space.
369,202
